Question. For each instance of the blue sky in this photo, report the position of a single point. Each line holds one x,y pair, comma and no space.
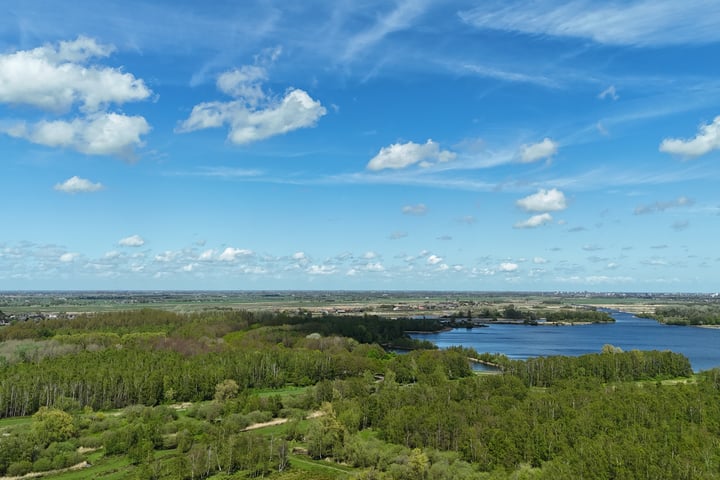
416,144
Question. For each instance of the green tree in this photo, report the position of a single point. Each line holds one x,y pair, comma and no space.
325,436
52,425
226,390
419,464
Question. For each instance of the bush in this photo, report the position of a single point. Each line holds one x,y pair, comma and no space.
42,465
259,417
169,442
226,390
236,422
90,441
65,460
115,441
209,411
18,469
184,440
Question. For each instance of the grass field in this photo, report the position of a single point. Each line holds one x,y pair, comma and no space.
315,301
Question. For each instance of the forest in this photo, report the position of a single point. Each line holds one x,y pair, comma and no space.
222,394
693,314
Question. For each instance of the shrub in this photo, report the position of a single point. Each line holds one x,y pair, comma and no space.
42,465
259,417
90,441
18,469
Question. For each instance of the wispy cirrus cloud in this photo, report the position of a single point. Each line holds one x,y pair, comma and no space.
610,93
662,206
639,22
535,221
402,16
219,172
419,209
506,75
680,225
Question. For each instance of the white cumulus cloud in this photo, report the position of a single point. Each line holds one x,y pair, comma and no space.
97,134
321,270
69,257
78,185
207,255
58,78
508,267
296,110
230,254
244,82
707,139
54,77
402,155
167,256
374,267
434,260
100,134
535,221
254,114
132,241
537,151
543,201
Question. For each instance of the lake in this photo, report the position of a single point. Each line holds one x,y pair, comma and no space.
700,345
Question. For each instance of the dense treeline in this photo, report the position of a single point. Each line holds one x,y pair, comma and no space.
578,429
574,315
609,366
365,329
371,329
147,357
420,415
687,314
135,321
561,315
113,378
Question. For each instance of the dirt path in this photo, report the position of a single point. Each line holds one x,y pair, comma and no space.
317,464
278,421
49,472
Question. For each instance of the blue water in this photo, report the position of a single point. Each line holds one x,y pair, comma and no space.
700,345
